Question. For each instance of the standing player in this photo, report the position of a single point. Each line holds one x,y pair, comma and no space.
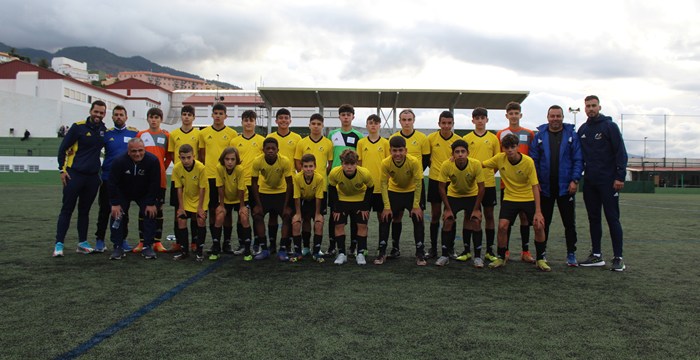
465,192
309,194
440,151
212,142
557,155
80,175
522,194
116,140
191,183
418,146
402,181
525,136
231,183
484,145
271,179
185,134
350,190
156,141
287,141
322,149
249,146
604,166
371,151
343,139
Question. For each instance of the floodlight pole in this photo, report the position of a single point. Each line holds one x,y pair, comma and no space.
574,111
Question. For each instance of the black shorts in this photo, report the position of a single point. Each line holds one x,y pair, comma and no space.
511,209
251,199
173,196
213,194
160,199
308,208
191,215
233,207
400,202
489,199
434,191
273,203
352,210
376,202
463,203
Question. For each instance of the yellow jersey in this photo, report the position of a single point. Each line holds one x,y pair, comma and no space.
417,143
403,178
463,182
232,183
271,177
372,154
322,150
440,151
287,145
214,142
306,190
350,189
248,150
519,178
178,138
483,148
191,181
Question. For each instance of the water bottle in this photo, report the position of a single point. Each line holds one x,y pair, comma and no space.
117,223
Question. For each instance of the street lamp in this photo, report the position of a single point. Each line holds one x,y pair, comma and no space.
574,111
645,149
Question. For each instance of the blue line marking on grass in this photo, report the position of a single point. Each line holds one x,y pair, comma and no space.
123,323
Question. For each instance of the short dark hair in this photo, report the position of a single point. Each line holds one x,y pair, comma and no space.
154,111
249,114
513,105
119,107
229,150
308,158
187,109
185,149
446,114
374,118
557,107
219,106
397,142
97,103
282,111
271,140
510,140
348,156
460,143
316,116
592,97
480,112
346,108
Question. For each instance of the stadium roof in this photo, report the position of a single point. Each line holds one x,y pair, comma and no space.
390,98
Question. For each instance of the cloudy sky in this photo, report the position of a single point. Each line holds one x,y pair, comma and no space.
641,57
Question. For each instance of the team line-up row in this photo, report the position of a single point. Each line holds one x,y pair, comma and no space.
345,175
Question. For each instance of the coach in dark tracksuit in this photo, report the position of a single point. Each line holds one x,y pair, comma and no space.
605,166
80,174
556,151
135,176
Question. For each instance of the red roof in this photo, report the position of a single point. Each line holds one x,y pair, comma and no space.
132,83
9,71
228,100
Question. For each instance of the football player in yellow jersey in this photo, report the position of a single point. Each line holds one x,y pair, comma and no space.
322,149
465,192
212,141
440,151
191,183
483,145
271,180
418,146
522,194
371,151
287,141
230,181
185,134
309,190
402,181
350,189
249,146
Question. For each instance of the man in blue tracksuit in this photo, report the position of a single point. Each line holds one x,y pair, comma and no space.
80,175
556,151
134,176
115,140
605,166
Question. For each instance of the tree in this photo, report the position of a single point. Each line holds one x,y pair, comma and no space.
43,63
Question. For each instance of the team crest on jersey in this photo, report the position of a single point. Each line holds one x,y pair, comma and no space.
392,173
358,185
414,142
380,149
262,171
111,139
320,148
598,136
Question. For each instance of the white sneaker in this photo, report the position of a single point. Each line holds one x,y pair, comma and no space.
442,261
478,262
341,259
361,259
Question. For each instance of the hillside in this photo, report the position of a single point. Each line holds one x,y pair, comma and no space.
99,59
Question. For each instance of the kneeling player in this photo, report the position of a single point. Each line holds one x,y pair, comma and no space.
192,185
231,184
521,194
350,189
308,203
465,192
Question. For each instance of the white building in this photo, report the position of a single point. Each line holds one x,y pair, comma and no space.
75,69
